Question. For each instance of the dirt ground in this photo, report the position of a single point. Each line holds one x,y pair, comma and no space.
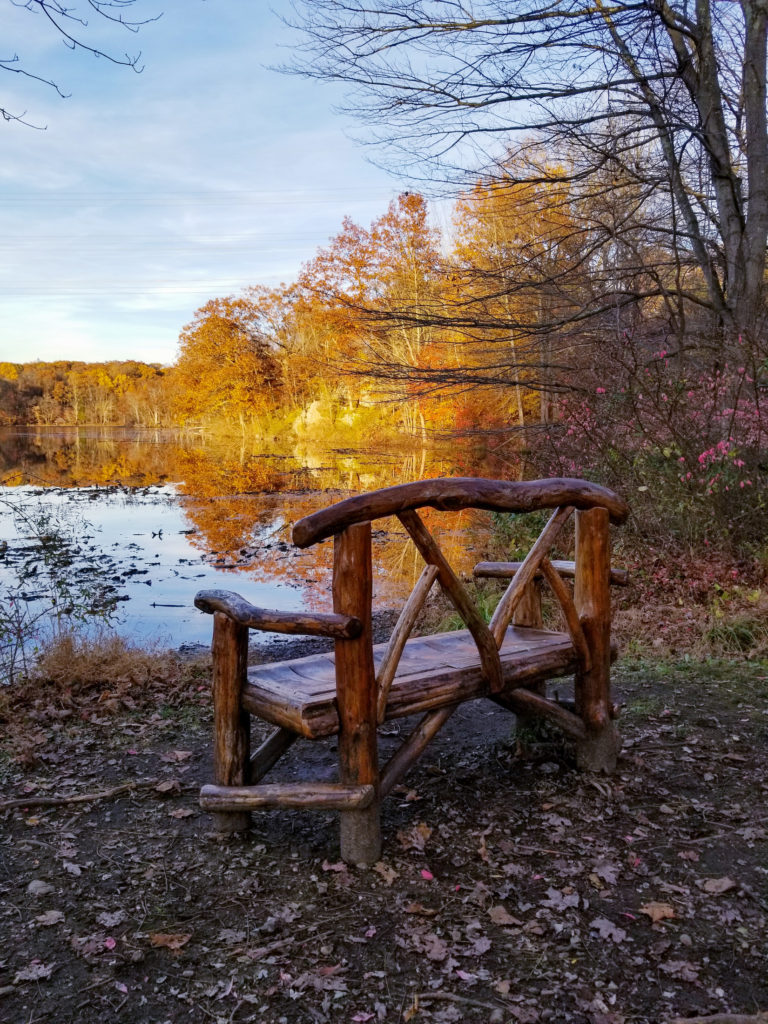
510,889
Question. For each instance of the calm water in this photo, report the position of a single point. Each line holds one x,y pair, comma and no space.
163,516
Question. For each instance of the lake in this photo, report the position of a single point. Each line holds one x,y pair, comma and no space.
154,516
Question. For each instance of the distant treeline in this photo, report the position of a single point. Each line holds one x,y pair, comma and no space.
70,392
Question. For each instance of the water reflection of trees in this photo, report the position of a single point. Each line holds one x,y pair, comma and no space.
241,501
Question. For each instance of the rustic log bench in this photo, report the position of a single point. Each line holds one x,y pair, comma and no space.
352,691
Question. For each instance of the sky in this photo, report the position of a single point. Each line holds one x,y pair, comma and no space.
148,194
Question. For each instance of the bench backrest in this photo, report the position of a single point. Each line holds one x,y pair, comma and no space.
349,522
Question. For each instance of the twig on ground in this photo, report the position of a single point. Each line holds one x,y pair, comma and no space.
449,997
75,798
724,1018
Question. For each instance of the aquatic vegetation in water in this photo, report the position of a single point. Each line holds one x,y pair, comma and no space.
52,581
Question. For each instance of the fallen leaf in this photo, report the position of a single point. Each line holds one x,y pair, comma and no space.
501,916
556,900
387,873
466,976
417,908
717,886
49,917
414,838
682,969
73,869
608,871
338,867
608,930
39,888
35,971
657,911
175,756
168,786
111,920
181,812
172,942
480,946
435,947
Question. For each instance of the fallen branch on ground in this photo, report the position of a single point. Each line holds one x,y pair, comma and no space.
75,798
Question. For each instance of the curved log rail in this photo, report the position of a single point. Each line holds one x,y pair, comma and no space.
340,627
451,494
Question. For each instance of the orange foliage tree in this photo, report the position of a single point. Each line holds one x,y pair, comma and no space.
226,368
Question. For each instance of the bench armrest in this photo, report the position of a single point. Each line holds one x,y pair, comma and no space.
506,570
340,627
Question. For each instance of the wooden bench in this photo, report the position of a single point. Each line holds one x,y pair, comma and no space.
351,691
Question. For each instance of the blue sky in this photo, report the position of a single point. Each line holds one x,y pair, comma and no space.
149,194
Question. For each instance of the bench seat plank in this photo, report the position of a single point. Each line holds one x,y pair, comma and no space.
434,671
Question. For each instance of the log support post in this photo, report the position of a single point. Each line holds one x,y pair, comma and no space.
598,752
231,747
356,693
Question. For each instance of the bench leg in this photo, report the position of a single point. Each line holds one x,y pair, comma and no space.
356,693
231,743
599,751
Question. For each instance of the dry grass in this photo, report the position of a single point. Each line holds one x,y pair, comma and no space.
96,679
78,664
74,671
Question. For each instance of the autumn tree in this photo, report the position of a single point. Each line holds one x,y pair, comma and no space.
519,269
669,93
376,292
226,367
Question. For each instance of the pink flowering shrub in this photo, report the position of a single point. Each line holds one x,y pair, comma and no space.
688,448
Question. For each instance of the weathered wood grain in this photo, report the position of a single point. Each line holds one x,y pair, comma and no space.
327,796
525,575
270,752
563,595
231,722
299,623
592,597
356,692
434,671
528,611
401,632
455,493
506,570
527,702
452,588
